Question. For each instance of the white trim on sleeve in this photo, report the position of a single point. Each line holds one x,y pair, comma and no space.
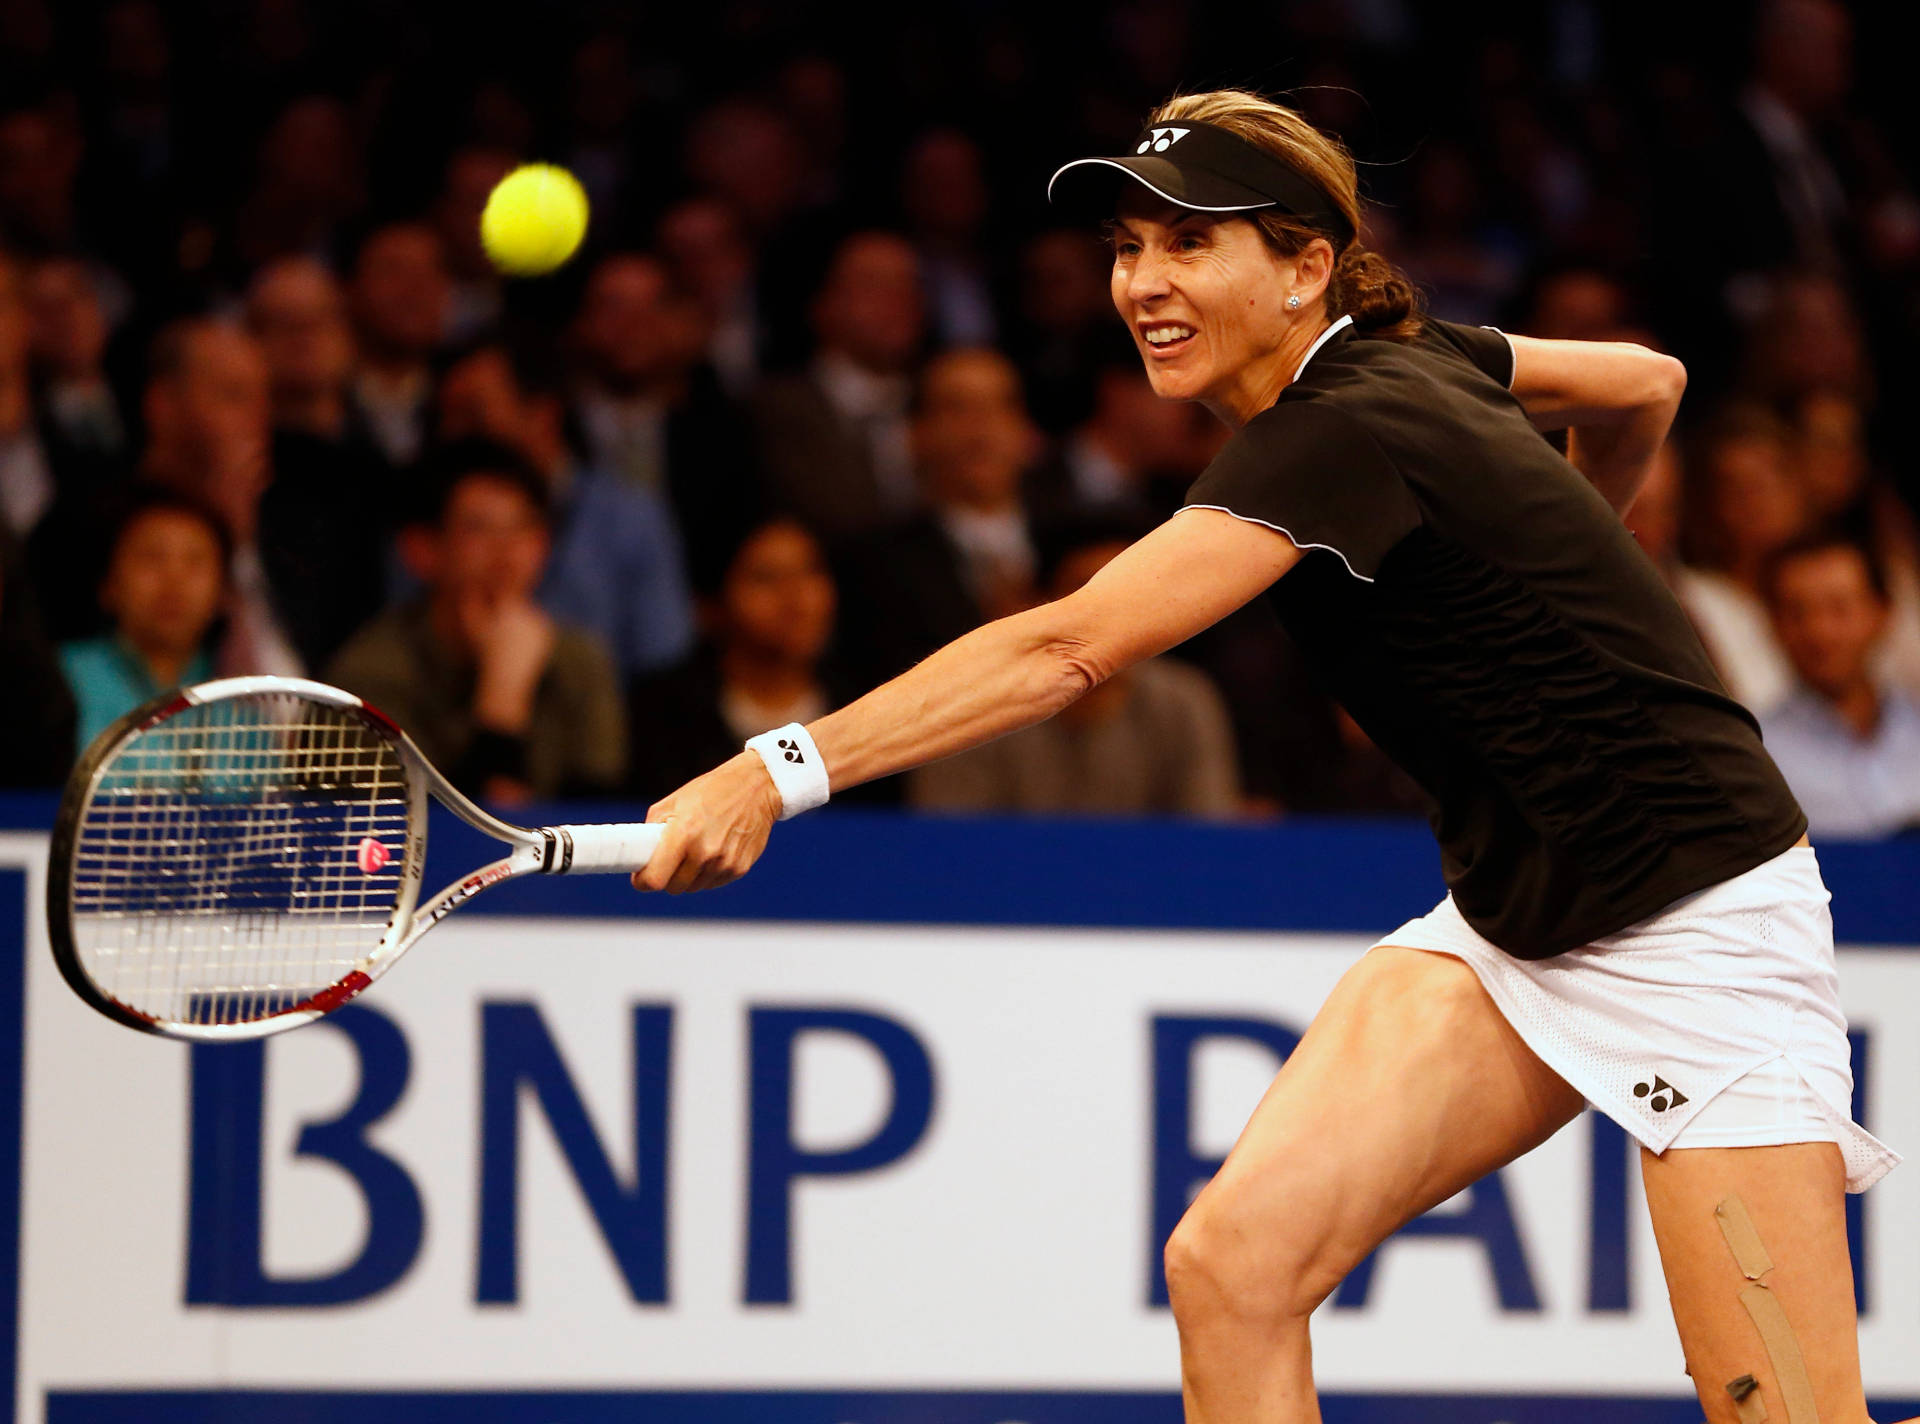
1513,355
1280,529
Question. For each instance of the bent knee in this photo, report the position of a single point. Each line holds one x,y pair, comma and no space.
1221,1265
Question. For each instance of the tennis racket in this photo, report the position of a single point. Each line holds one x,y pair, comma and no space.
241,857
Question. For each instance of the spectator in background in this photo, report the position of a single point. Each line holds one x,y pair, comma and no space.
834,438
40,152
968,557
26,466
1805,338
1842,490
1467,272
69,345
330,509
399,295
946,199
767,616
165,585
1806,182
811,92
1743,507
510,704
746,153
1153,740
651,413
1848,745
36,713
209,417
307,183
600,97
1135,448
1802,69
473,303
135,132
702,240
1065,328
1577,303
616,569
297,311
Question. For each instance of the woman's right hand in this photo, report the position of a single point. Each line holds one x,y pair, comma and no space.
717,827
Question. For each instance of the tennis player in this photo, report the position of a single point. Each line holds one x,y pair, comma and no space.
1636,918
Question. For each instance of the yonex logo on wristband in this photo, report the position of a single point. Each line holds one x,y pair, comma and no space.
1160,140
794,763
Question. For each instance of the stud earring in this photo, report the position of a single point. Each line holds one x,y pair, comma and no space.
1293,303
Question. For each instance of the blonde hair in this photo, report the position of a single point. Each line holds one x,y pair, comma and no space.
1365,286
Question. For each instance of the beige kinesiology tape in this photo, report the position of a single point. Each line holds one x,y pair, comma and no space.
1763,1307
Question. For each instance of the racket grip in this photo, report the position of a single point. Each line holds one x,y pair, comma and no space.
587,850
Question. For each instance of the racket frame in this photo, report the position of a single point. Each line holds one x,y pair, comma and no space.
547,850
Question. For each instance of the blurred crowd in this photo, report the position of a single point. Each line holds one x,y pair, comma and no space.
828,386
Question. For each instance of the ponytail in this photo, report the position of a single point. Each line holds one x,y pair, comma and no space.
1378,296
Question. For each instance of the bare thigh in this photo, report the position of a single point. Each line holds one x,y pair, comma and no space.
1408,1087
1795,1196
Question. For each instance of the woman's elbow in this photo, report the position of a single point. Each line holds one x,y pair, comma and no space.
1668,379
1075,668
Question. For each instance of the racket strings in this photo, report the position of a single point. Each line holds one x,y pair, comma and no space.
238,858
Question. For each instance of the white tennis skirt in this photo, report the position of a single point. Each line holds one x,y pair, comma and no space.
1714,1023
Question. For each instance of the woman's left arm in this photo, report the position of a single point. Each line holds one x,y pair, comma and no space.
1616,401
1185,576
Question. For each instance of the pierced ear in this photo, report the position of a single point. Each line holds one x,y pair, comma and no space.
1314,264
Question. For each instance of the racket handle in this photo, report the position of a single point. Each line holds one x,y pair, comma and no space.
587,850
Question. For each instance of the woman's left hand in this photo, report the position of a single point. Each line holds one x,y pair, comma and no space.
717,826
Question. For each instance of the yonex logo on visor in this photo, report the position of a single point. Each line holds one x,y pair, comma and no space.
1207,168
1160,140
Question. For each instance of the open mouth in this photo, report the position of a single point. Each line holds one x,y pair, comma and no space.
1166,338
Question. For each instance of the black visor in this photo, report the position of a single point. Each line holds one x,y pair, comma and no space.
1198,166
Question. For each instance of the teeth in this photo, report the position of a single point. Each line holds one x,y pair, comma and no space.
1161,335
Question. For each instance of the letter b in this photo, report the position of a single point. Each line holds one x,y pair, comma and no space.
224,1211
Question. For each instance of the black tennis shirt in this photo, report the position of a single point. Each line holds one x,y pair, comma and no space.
1484,615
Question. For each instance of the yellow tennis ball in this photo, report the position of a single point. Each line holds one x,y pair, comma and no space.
534,219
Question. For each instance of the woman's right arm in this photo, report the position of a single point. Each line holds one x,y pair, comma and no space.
1183,577
1616,400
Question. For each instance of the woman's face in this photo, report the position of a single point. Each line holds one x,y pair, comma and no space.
165,583
778,598
1755,499
1205,298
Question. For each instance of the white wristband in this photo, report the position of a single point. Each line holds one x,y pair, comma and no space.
794,763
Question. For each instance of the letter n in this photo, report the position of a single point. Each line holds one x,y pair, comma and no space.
517,1052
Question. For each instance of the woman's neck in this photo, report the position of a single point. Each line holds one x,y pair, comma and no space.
166,665
1258,384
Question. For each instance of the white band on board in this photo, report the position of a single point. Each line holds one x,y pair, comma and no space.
794,763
